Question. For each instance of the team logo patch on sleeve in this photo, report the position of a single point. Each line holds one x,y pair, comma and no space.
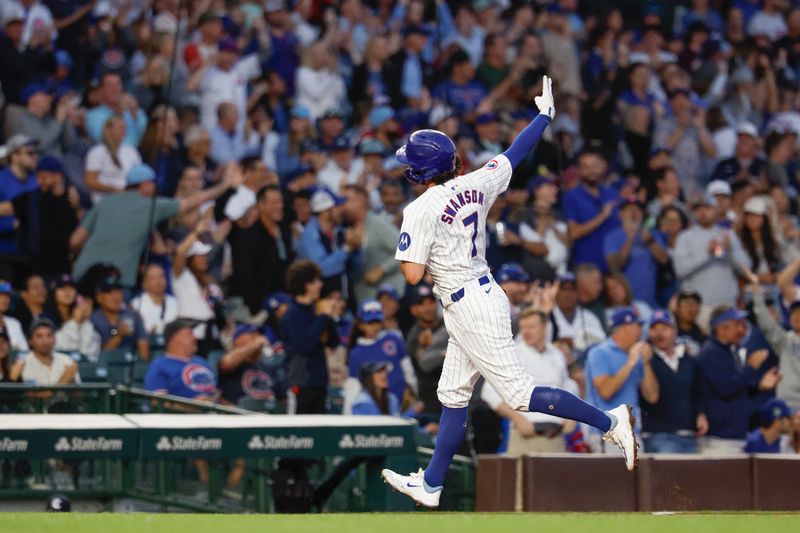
491,165
404,242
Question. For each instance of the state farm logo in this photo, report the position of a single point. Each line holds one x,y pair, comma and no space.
357,441
12,445
289,442
88,444
176,444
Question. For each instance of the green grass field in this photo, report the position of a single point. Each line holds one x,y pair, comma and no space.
386,523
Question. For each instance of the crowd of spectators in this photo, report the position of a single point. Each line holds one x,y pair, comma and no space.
211,185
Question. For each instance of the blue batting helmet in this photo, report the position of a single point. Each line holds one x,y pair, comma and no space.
428,154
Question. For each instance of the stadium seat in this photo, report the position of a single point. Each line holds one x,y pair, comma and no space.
262,406
122,356
92,372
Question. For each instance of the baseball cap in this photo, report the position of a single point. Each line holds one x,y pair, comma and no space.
414,29
658,149
199,248
177,325
512,272
688,293
774,409
339,144
704,200
324,199
747,128
109,284
41,323
662,316
141,173
720,187
5,287
370,367
31,89
756,206
370,311
485,118
439,113
566,277
58,504
209,16
241,329
387,289
18,141
538,181
13,12
299,171
300,111
271,6
276,299
380,115
63,280
228,45
64,59
624,316
50,163
371,147
331,112
419,293
728,315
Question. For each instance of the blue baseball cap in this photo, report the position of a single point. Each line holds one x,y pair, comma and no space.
485,118
419,292
380,115
728,315
64,59
370,367
5,287
300,111
624,316
370,311
371,147
50,164
662,316
566,277
299,171
774,409
388,289
141,173
241,329
275,300
512,272
340,143
310,145
538,181
32,88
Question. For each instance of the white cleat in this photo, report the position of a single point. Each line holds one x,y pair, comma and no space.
412,486
622,435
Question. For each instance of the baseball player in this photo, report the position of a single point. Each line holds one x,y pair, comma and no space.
444,231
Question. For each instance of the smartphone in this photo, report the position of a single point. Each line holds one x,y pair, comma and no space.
500,229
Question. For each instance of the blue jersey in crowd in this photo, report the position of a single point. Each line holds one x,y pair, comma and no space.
606,359
641,268
581,206
756,443
179,377
10,188
387,346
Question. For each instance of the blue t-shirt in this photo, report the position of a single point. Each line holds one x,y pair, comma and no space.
580,206
389,347
104,327
641,268
606,359
461,97
178,377
10,188
757,444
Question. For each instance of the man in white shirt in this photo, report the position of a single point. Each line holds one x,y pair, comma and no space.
571,321
342,168
227,82
535,432
42,365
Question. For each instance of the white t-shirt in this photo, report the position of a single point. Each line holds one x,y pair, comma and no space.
319,90
16,336
37,372
773,26
219,86
585,330
99,160
189,295
155,316
334,177
445,228
557,251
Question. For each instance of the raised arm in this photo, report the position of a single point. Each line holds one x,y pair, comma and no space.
529,137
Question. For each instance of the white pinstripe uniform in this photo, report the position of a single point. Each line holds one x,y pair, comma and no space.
445,230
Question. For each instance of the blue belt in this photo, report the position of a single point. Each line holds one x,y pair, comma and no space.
456,296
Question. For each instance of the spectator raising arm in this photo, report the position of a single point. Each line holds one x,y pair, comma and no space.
233,178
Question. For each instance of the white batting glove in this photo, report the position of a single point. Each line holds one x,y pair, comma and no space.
545,102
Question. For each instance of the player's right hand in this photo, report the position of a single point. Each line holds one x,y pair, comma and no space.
545,102
523,426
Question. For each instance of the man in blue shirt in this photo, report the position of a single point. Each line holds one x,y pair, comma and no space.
180,372
591,211
461,90
116,102
618,369
636,252
18,178
776,420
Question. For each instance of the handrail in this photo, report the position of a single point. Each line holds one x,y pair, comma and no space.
201,404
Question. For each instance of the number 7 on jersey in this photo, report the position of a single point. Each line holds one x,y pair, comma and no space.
473,220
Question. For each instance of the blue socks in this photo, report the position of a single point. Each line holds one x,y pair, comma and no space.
557,402
452,427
